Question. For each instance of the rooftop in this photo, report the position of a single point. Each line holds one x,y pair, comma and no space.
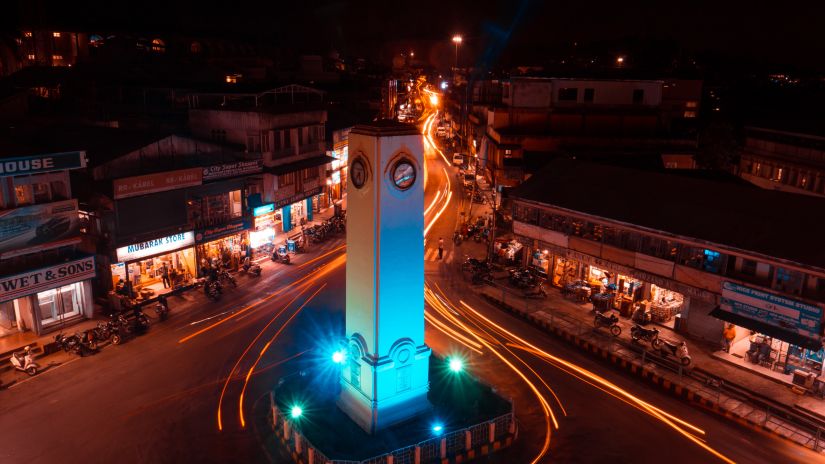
772,223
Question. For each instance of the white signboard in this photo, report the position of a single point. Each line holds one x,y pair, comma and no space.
156,246
13,287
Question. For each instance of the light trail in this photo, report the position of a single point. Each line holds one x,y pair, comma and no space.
455,335
265,348
432,204
257,303
604,382
249,347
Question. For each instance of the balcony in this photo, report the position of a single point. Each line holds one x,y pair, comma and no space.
312,147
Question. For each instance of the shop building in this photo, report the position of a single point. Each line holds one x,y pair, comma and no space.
692,253
286,125
45,278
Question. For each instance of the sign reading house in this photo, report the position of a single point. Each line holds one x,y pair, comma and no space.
28,283
36,164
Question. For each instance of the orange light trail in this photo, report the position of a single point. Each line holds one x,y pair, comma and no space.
604,382
267,298
446,330
265,348
249,347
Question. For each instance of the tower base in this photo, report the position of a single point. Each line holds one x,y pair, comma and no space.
379,415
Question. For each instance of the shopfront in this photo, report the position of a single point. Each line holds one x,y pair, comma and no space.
296,209
776,335
338,179
155,267
46,298
266,219
226,243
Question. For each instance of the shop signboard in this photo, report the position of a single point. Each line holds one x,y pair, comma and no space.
297,197
31,282
36,164
773,309
38,227
158,182
211,233
237,169
265,209
155,247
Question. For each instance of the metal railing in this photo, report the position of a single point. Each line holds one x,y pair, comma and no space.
807,431
432,450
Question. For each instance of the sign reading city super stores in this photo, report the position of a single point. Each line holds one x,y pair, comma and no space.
237,169
155,246
38,227
158,182
777,310
29,283
42,163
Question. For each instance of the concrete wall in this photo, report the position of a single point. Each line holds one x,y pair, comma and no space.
609,92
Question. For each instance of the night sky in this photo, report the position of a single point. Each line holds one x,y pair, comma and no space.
513,31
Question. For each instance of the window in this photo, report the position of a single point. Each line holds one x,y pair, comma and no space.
589,93
713,261
57,57
638,96
60,303
355,373
24,195
525,214
31,56
689,114
788,280
195,48
286,179
691,104
748,267
235,203
288,138
265,141
56,35
27,34
42,193
778,174
568,94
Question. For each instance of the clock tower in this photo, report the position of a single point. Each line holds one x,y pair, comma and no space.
385,377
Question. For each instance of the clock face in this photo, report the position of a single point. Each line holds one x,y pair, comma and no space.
403,175
358,173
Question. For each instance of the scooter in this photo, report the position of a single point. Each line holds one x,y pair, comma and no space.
539,292
162,308
638,332
611,321
250,268
677,350
24,361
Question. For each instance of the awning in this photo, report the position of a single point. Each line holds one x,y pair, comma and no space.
767,329
300,164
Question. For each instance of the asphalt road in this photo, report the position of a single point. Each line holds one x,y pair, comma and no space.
155,399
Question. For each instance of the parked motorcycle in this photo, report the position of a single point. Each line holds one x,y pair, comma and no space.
638,332
611,322
538,292
281,257
70,344
677,350
481,277
24,361
225,277
457,238
522,278
162,308
250,268
87,339
212,289
109,330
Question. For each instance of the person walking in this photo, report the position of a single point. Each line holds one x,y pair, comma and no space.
728,336
164,274
440,247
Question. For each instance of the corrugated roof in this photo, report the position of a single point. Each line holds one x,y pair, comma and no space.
776,224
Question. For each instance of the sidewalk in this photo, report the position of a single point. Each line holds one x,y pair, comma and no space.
726,389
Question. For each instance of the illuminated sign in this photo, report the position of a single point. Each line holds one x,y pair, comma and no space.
261,210
237,169
31,282
771,308
154,247
42,163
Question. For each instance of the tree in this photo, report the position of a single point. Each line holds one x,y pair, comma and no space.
718,146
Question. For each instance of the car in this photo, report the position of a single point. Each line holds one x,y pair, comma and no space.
458,159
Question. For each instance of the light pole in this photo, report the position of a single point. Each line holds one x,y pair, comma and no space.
457,39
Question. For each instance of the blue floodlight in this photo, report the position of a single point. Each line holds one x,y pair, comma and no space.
437,429
296,412
338,357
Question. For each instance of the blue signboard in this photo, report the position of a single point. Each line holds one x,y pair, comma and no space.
42,163
265,209
773,309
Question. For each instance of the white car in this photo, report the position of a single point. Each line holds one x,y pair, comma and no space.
458,159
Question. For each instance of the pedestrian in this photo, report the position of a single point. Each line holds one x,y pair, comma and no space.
164,274
440,247
728,336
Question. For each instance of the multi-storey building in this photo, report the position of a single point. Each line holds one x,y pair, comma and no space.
45,278
286,125
791,161
542,118
692,251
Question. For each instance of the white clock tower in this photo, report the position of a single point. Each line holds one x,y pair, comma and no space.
385,379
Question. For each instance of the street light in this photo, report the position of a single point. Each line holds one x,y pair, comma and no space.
457,39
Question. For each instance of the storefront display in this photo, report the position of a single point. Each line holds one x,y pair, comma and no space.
540,261
664,304
778,359
229,251
507,251
155,267
565,271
